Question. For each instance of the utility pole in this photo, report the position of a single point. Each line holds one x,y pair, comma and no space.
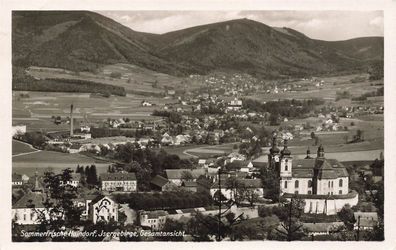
358,230
290,220
219,215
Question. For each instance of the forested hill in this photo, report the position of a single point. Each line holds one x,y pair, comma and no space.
84,41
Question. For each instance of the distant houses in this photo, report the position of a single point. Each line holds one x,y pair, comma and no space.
177,176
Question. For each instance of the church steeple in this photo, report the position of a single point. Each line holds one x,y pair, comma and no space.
320,152
285,151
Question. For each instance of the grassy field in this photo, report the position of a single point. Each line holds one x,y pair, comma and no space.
327,91
131,77
19,148
200,151
40,161
36,110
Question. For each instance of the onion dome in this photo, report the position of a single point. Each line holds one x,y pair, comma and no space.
285,151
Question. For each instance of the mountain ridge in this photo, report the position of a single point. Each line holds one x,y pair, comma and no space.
83,41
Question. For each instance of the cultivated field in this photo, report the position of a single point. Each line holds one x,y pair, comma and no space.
43,160
36,110
327,91
21,148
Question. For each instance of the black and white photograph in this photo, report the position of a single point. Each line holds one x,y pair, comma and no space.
179,125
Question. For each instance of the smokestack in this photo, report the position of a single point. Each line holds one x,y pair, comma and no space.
71,120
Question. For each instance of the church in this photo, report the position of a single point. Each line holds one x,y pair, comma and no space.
322,183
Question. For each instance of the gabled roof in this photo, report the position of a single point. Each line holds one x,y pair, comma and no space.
99,198
16,177
327,168
30,200
120,176
189,184
159,181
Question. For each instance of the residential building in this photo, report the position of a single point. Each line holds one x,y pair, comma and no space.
178,175
162,184
17,180
121,182
155,220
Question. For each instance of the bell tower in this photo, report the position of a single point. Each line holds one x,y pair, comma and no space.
274,155
286,162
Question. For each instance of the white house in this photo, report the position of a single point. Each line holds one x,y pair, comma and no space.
102,208
153,219
121,182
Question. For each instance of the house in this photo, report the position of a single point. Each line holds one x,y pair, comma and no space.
254,185
235,104
365,220
190,186
102,208
178,175
30,209
120,182
74,180
321,228
75,148
84,202
145,103
155,220
162,184
18,130
16,180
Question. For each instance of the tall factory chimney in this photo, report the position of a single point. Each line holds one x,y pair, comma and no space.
71,120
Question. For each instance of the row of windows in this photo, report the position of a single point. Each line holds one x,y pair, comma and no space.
330,193
297,183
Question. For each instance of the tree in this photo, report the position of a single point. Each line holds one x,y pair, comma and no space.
172,226
346,215
251,196
289,214
60,210
186,176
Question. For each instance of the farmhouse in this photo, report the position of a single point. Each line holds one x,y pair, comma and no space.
121,182
16,180
30,207
160,183
155,220
178,175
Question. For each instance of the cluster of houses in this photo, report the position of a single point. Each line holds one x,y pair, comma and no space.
30,209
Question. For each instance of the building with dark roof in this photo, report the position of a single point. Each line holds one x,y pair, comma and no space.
322,183
121,182
28,209
160,183
177,175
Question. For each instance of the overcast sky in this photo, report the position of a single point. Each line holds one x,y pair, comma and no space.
324,25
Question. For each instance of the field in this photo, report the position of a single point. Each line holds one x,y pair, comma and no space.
200,151
36,110
21,148
40,161
327,91
133,78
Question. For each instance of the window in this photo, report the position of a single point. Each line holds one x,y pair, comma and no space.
328,183
296,192
309,192
296,184
285,167
309,183
340,192
285,184
340,183
332,183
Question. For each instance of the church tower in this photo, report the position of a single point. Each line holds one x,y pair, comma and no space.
274,155
286,162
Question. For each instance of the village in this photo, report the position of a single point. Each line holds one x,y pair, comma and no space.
247,182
